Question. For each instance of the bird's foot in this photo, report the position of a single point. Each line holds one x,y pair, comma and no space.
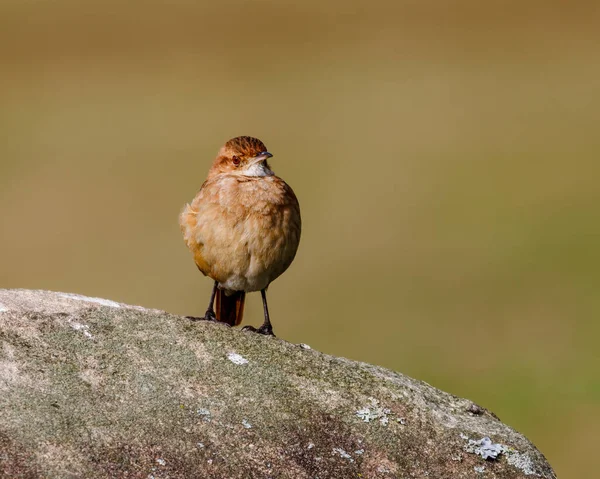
265,330
208,316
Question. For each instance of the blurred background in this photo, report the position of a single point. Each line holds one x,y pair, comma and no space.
445,155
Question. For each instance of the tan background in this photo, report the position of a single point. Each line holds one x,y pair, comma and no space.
445,155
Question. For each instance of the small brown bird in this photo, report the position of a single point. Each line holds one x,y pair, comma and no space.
243,229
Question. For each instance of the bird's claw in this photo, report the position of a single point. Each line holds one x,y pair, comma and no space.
264,330
208,316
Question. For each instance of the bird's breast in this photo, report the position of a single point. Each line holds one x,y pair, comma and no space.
243,232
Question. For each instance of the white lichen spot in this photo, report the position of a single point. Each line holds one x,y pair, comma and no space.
204,413
84,328
375,411
523,462
340,452
161,462
200,445
87,299
479,469
365,414
310,445
488,450
3,309
485,448
359,452
246,424
236,358
304,346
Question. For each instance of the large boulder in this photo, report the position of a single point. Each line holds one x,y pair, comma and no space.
90,388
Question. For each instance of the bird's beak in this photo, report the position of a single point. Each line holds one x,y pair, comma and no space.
262,156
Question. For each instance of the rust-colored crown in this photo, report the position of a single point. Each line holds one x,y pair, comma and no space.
246,145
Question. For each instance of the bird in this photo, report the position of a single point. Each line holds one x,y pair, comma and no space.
242,228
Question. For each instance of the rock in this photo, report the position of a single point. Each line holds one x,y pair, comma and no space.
94,388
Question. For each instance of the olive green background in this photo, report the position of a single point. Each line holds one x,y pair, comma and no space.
445,155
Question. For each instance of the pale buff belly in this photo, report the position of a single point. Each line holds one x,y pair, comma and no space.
243,251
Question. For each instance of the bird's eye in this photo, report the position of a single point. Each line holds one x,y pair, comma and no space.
236,160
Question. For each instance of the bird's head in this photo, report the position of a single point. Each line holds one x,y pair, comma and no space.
244,156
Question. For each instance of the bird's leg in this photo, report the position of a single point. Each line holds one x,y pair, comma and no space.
266,327
210,312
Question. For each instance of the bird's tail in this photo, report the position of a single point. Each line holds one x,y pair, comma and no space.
230,309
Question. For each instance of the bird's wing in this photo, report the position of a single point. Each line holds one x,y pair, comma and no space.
188,221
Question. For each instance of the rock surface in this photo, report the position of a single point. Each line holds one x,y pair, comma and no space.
93,388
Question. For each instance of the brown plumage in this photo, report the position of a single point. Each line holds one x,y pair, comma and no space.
243,227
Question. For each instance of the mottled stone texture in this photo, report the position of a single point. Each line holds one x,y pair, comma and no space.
92,388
